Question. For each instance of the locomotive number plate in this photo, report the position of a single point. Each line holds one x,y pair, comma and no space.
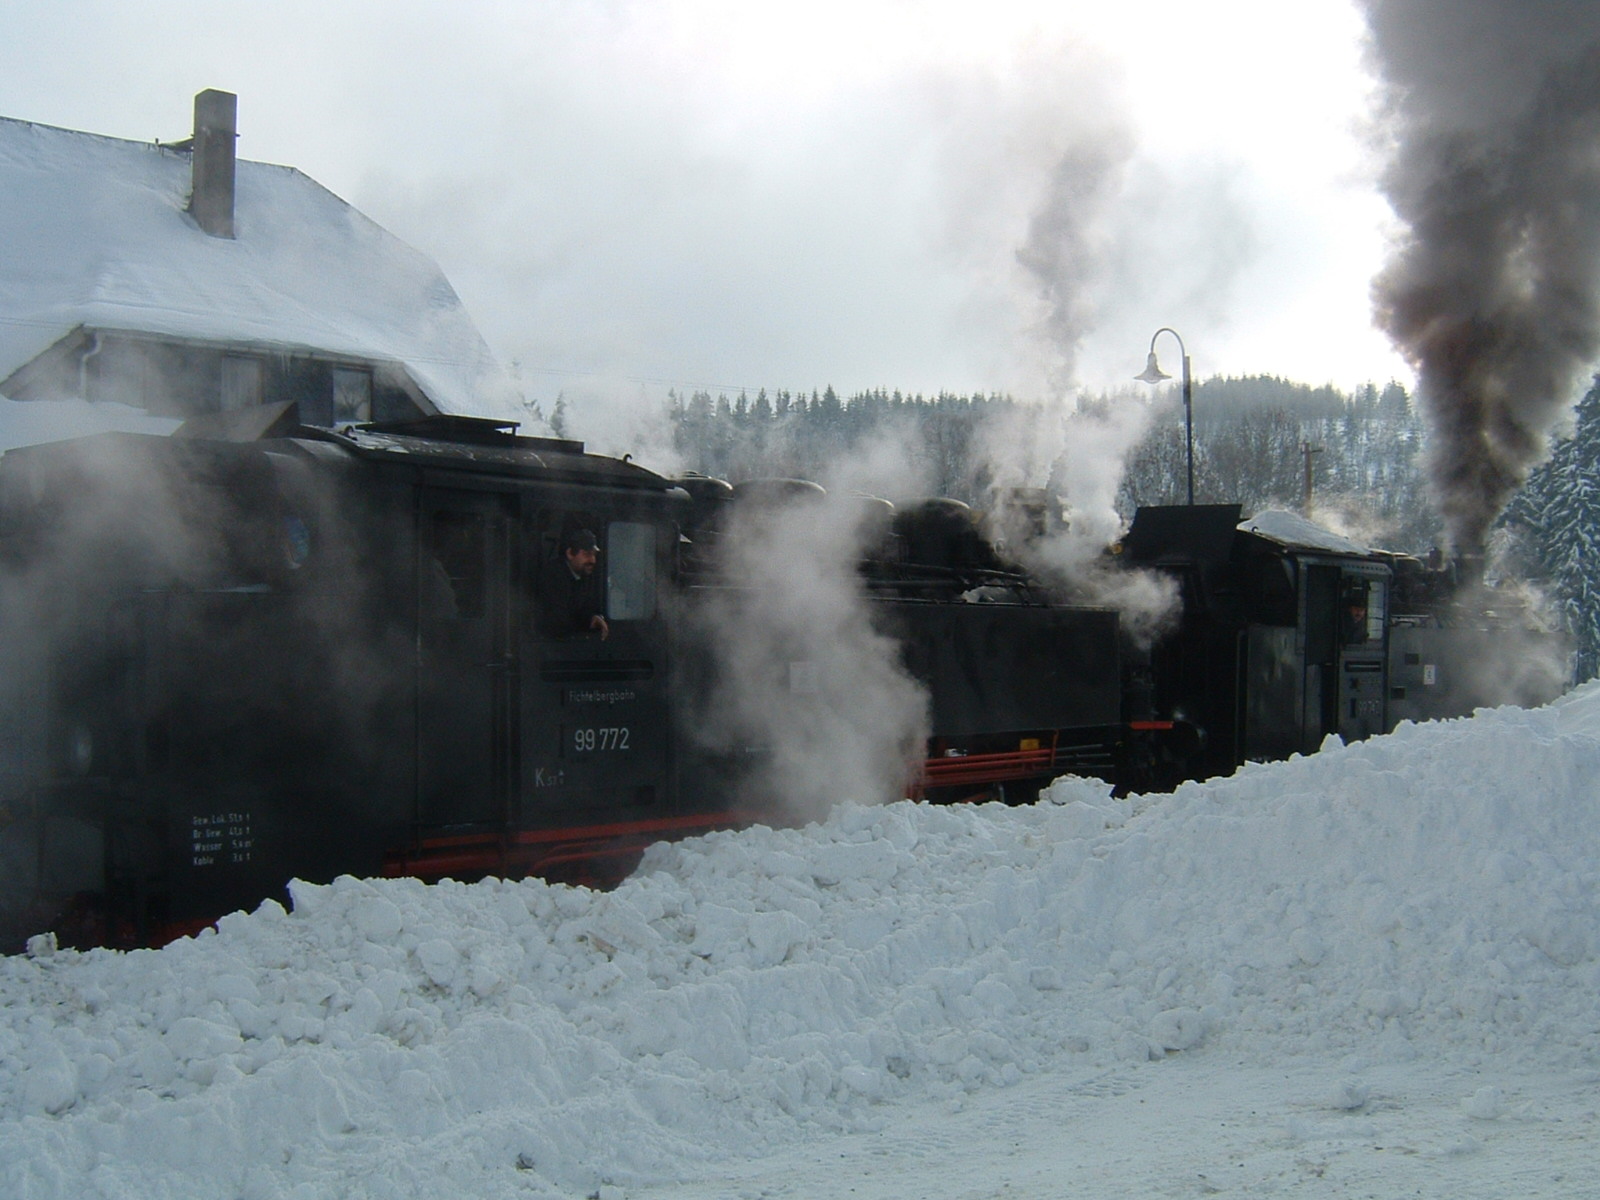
602,738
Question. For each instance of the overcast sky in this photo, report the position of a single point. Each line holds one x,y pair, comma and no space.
972,196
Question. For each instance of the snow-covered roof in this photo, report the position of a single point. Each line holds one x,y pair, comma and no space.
94,232
1294,531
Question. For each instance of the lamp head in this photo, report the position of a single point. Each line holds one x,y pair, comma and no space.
1152,372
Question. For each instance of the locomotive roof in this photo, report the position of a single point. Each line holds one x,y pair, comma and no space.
467,445
1293,532
489,447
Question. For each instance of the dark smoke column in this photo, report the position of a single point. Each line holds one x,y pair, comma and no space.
1493,111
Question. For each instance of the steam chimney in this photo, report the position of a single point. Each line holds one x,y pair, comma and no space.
215,128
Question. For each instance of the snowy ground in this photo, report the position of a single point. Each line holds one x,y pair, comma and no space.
1369,973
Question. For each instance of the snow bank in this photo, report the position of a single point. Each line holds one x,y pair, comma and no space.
1430,892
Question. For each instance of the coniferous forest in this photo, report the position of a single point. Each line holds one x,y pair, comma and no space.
1254,440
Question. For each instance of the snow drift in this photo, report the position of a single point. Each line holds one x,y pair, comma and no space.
1429,893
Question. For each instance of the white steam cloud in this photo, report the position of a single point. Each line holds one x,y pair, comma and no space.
1067,162
801,680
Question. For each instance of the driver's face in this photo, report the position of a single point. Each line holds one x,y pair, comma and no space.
582,561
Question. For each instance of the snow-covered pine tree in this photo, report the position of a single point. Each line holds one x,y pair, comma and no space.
1555,520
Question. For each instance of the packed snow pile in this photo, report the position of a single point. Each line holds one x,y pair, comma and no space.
1435,892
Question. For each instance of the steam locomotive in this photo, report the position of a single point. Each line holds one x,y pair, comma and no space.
255,651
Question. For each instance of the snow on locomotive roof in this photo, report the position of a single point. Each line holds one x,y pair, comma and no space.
34,421
94,232
1295,532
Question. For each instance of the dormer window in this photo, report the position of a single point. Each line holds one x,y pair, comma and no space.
241,382
352,395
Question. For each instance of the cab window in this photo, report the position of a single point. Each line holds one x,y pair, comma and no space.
1363,610
456,573
630,565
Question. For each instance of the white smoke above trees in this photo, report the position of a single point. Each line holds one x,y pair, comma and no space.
1493,292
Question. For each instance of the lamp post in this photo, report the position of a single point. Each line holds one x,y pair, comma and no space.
1153,373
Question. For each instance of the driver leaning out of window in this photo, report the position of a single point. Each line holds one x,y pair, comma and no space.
571,603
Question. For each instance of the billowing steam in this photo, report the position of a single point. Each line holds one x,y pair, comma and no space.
1493,294
1076,451
1079,455
802,685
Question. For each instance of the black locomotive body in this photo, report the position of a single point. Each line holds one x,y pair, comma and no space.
302,657
241,658
233,663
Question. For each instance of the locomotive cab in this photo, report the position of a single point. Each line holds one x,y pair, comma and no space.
1284,634
540,743
237,663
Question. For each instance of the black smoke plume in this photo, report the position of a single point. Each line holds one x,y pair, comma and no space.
1492,112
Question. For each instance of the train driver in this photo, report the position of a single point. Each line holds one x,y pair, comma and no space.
571,600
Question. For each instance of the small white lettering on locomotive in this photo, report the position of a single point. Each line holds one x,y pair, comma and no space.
588,740
544,777
220,837
601,695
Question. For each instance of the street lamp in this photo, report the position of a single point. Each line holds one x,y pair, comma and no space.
1153,373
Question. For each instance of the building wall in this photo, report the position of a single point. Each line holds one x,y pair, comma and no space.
173,378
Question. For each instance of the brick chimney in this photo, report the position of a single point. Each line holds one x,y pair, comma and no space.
216,116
